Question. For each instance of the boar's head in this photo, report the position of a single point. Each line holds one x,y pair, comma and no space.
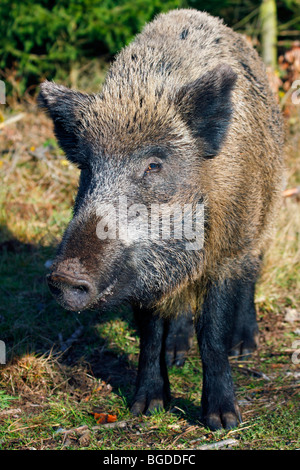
140,149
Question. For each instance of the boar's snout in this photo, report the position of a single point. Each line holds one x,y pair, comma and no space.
73,293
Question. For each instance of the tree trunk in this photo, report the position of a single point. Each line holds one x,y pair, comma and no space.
268,19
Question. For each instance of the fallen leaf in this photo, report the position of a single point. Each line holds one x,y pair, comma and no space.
103,418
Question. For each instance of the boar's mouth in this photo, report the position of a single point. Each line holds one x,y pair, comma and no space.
77,293
106,292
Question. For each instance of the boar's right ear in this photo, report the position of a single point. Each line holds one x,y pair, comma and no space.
65,107
206,107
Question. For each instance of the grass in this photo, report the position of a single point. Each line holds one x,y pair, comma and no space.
62,367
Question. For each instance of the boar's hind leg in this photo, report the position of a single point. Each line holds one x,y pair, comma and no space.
152,389
214,327
245,329
179,339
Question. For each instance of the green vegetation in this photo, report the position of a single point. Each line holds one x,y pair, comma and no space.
46,39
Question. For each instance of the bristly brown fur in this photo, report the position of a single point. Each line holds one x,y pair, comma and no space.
145,100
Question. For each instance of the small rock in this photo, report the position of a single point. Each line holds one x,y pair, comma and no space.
292,315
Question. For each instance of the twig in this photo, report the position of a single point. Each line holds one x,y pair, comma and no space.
245,19
289,23
14,161
241,429
285,42
291,192
253,372
272,389
219,445
26,427
116,424
10,411
79,430
12,120
189,429
289,33
285,98
64,345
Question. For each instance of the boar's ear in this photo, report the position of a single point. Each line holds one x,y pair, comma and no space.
65,107
206,107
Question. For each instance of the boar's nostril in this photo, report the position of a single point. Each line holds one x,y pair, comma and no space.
73,293
81,288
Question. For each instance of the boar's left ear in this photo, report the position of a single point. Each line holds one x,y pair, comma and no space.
65,107
206,107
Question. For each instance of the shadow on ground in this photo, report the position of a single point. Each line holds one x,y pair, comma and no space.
32,322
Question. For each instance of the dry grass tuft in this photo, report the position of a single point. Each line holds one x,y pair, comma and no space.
32,376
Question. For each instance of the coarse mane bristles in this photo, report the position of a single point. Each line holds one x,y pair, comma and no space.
189,85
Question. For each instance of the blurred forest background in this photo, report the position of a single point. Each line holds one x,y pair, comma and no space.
72,40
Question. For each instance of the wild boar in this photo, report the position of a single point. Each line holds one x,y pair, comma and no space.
185,119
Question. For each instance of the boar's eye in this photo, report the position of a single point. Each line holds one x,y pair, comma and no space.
152,168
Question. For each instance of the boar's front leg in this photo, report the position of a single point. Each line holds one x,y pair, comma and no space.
152,388
214,329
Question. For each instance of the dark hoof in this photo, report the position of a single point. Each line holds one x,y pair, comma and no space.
150,399
223,420
142,406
